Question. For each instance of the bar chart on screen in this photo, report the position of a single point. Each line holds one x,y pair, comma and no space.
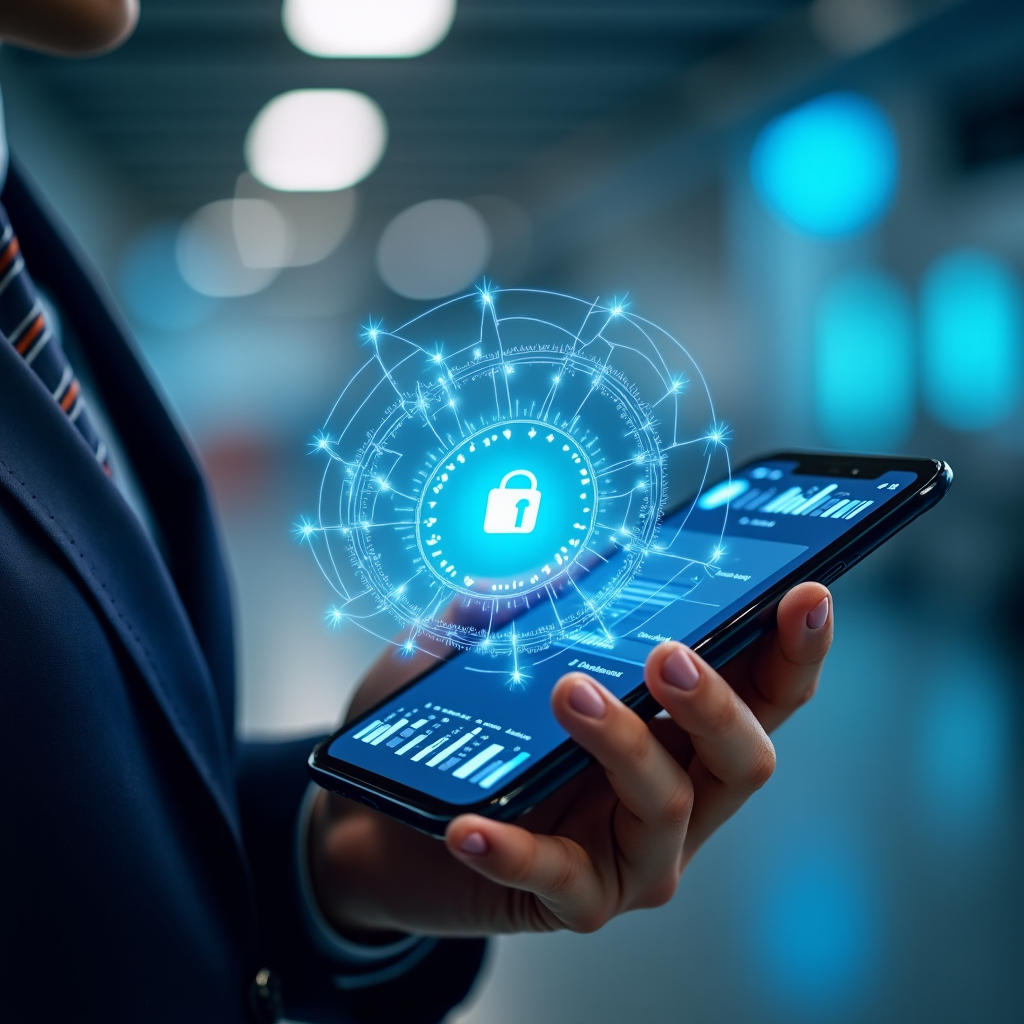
443,740
828,501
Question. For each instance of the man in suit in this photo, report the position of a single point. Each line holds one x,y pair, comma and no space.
152,868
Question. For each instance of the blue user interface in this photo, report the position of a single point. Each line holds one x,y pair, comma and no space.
463,732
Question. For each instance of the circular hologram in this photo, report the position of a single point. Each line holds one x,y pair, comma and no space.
507,451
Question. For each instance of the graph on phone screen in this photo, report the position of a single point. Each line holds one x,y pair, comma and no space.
448,741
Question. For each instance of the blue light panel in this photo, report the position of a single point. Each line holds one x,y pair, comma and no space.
864,362
972,318
829,167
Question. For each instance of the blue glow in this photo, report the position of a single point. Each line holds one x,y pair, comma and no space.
972,318
153,290
828,168
864,362
728,490
816,931
964,747
303,529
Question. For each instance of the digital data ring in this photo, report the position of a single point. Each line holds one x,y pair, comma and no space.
504,452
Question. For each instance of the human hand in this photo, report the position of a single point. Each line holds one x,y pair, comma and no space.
614,839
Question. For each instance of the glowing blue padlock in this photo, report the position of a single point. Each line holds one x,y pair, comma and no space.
513,509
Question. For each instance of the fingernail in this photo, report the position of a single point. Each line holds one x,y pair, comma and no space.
474,843
818,614
585,699
679,669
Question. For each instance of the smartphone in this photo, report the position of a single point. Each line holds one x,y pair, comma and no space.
461,739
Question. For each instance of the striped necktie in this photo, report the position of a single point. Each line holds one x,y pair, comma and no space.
23,322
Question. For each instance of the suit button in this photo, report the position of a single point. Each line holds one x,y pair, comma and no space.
265,997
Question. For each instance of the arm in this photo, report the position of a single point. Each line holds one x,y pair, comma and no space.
325,981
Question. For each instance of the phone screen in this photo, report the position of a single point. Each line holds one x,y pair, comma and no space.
469,726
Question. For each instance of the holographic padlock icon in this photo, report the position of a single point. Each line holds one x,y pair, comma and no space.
513,509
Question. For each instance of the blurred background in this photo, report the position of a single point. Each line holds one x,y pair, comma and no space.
824,202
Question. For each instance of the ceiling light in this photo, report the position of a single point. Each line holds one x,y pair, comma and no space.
367,28
433,249
316,140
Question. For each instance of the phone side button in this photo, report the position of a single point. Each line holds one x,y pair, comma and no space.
832,574
369,803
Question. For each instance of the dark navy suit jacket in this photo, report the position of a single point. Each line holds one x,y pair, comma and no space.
146,858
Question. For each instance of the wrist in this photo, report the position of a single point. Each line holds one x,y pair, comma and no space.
363,955
327,878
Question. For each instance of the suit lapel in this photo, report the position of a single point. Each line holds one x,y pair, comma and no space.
163,465
48,468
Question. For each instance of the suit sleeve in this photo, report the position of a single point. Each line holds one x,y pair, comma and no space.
324,978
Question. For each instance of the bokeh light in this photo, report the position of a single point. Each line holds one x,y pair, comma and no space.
828,168
963,747
263,237
972,318
434,249
208,253
151,287
317,222
367,28
815,934
864,362
316,140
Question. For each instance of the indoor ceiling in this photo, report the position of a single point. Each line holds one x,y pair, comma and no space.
172,107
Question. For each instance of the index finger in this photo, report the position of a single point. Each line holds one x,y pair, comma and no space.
781,673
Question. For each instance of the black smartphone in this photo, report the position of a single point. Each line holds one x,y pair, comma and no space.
461,739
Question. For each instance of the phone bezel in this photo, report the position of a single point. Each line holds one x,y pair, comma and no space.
430,814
